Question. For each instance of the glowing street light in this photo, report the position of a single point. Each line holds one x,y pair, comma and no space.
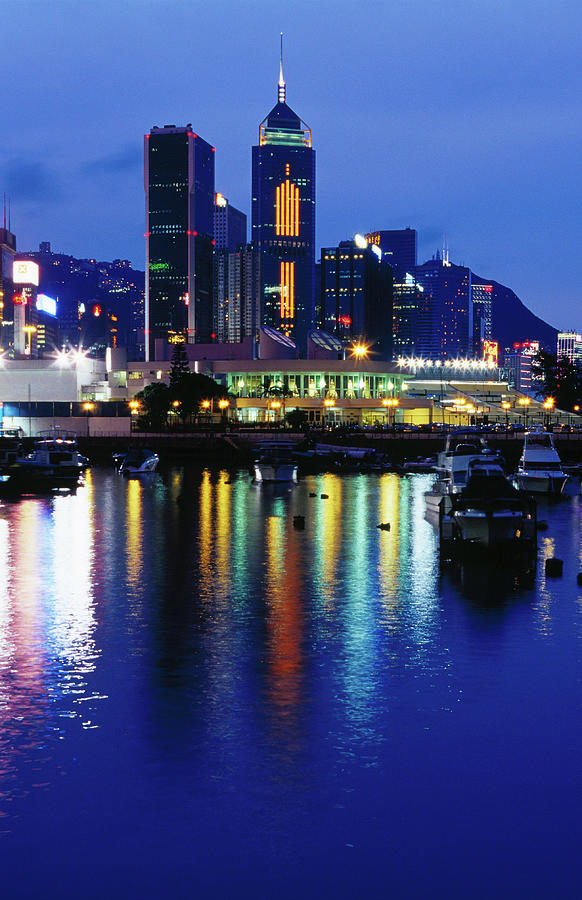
359,351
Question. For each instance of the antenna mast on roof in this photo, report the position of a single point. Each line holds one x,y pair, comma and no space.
281,87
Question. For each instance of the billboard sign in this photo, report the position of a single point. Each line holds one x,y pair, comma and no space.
24,271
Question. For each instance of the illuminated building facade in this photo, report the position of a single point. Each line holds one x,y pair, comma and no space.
7,254
411,334
518,369
398,249
356,295
180,203
569,346
481,298
283,218
448,308
238,294
230,225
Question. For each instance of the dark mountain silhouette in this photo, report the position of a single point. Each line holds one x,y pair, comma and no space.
512,321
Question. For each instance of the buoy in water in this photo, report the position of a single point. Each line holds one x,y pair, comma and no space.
298,521
313,494
324,496
554,568
385,526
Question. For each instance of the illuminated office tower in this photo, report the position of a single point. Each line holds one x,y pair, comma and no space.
411,320
179,186
448,324
7,254
481,297
398,249
230,225
283,219
238,291
356,295
569,346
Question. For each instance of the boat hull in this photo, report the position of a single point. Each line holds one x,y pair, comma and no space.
269,472
490,530
545,483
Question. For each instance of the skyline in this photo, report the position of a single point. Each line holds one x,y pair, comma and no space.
406,156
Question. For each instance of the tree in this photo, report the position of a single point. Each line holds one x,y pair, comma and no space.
561,379
180,365
297,419
191,390
155,403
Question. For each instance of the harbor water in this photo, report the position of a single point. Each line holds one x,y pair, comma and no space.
198,699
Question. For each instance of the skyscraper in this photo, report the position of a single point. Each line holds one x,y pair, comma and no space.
481,297
356,295
398,249
179,186
448,308
283,218
230,225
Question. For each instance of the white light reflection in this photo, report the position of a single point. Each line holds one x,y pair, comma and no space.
71,613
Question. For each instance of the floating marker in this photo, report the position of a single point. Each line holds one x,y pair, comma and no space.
384,526
554,568
298,521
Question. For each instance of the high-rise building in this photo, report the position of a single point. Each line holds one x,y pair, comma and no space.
283,218
238,292
398,249
411,320
518,369
230,225
7,254
481,297
179,187
449,308
356,295
570,346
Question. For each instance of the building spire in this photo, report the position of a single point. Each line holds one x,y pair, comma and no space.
282,88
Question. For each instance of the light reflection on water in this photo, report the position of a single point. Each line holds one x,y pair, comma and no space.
178,637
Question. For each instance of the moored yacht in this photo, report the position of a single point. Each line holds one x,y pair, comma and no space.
275,463
489,513
540,469
462,449
54,462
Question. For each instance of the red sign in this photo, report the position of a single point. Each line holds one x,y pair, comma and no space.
19,299
345,320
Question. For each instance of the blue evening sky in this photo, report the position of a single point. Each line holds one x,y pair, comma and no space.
455,117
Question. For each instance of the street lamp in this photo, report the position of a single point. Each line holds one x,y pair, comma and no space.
29,330
506,406
548,406
390,403
88,408
359,350
525,402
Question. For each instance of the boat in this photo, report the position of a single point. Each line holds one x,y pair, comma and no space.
54,462
489,513
275,463
540,470
137,462
11,447
462,449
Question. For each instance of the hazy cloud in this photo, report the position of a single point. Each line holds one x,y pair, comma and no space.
118,163
25,180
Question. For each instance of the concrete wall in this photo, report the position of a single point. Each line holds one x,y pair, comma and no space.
83,426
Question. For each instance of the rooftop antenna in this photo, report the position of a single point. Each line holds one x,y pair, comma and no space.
281,88
4,212
9,225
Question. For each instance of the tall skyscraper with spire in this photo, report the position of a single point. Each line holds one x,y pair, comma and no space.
283,218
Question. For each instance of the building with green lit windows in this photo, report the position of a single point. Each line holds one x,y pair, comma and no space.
179,188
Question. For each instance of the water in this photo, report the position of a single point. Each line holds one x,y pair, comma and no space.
199,700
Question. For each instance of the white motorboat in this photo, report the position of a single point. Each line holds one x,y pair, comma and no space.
489,512
462,449
540,470
137,462
54,462
275,463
